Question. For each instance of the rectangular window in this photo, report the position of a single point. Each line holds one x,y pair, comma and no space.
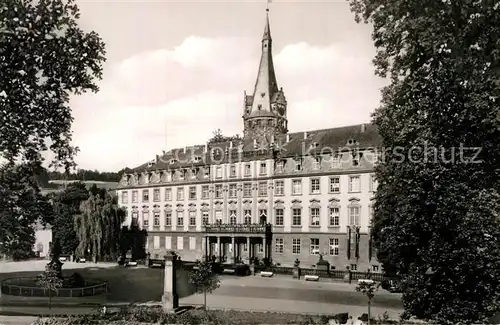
192,218
204,217
206,172
248,170
156,195
192,192
354,212
336,161
156,218
280,166
279,187
232,217
279,217
218,191
298,165
263,169
180,218
168,218
316,163
218,172
334,184
315,187
145,219
315,217
134,196
333,246
334,217
204,192
218,217
354,184
314,246
135,215
232,171
262,188
124,197
145,196
192,243
247,190
248,216
180,194
168,194
296,217
168,242
354,267
296,246
279,248
375,268
156,242
232,190
296,187
180,243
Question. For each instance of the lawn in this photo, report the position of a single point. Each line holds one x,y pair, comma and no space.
125,284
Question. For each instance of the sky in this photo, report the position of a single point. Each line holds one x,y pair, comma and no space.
177,70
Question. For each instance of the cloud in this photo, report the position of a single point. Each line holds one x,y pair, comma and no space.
167,98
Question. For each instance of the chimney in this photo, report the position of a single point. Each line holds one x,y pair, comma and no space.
157,158
206,148
255,143
305,135
288,138
363,127
230,144
163,152
185,149
272,138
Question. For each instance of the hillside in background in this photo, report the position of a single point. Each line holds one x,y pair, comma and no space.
55,179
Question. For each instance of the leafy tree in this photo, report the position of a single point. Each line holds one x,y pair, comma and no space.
66,207
98,226
204,279
368,288
50,281
45,57
22,205
218,137
439,209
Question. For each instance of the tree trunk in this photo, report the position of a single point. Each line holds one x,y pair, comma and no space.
205,299
369,311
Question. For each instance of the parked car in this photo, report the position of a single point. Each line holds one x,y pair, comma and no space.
392,285
81,260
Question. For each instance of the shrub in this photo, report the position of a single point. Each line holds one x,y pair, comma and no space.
76,280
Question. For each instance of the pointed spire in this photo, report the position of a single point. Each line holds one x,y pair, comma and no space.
266,84
267,30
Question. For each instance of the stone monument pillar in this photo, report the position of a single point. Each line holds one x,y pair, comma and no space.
170,298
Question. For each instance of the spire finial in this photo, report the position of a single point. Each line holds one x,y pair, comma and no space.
267,5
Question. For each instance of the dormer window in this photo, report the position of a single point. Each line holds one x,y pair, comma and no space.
316,163
169,176
182,174
206,172
259,107
197,159
262,95
298,164
280,166
314,145
194,173
172,161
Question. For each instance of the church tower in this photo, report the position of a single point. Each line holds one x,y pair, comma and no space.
264,113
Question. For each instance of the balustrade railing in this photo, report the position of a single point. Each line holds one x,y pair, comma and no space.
237,228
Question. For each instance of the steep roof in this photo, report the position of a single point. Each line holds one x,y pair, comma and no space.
362,136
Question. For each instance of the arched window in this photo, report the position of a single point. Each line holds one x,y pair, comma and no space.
232,219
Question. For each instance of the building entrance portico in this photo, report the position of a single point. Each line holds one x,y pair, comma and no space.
237,243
